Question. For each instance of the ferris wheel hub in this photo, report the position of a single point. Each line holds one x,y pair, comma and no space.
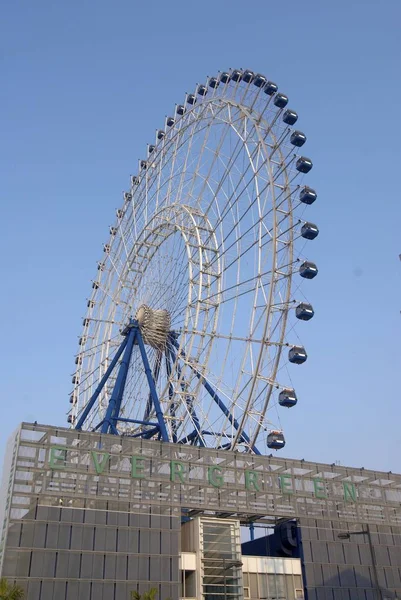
154,325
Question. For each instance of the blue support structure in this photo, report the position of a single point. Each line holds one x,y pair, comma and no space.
133,336
152,388
188,400
171,395
217,399
156,372
108,424
101,385
113,409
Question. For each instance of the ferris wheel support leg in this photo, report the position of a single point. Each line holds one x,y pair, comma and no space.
156,372
152,388
244,437
171,395
113,409
196,435
101,385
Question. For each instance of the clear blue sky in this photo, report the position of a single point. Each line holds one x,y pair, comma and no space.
83,87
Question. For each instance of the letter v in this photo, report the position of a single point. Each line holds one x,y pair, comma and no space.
100,466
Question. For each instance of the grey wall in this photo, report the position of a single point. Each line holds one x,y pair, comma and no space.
338,569
74,554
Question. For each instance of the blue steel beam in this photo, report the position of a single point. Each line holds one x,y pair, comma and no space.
216,398
138,421
101,385
152,388
188,400
146,434
171,395
114,406
156,372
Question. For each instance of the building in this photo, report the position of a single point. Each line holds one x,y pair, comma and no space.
97,516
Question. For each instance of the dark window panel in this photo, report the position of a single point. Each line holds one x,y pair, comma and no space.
62,565
47,590
154,538
66,515
110,543
122,540
336,554
24,561
110,566
97,592
42,513
165,568
27,533
144,542
319,552
76,537
108,591
74,563
64,535
362,576
98,566
165,542
382,556
39,535
144,521
352,554
133,568
143,565
54,513
100,537
86,566
13,536
60,590
122,591
36,569
133,537
112,518
123,519
49,564
84,590
155,521
10,564
90,516
154,568
78,515
134,520
88,538
174,543
121,567
347,577
34,588
52,535
100,517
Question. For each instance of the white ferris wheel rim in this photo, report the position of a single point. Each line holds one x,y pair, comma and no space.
212,215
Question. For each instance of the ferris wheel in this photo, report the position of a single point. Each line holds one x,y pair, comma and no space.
185,334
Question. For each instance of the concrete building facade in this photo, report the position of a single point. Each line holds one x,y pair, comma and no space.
94,516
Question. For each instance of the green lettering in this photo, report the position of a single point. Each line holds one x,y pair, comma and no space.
214,476
176,468
349,492
137,467
100,466
251,480
286,484
57,457
320,488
